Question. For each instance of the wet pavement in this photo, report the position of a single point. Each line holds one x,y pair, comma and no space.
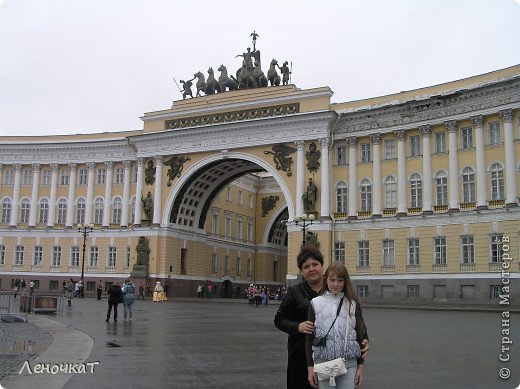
192,343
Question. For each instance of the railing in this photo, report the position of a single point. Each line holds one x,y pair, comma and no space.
414,211
363,269
495,266
389,211
387,269
92,269
340,215
467,267
55,268
110,269
439,268
497,203
74,269
37,268
468,206
440,208
413,268
17,268
364,214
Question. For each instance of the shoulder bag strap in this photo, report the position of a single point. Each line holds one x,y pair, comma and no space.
337,314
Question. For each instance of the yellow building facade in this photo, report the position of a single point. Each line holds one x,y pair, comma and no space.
416,192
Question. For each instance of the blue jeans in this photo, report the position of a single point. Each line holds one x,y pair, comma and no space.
345,381
128,302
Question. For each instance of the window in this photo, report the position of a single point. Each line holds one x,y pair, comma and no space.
7,177
339,252
117,208
390,192
341,197
494,133
99,207
228,196
250,267
440,142
389,145
466,138
119,173
362,291
227,226
214,263
101,175
415,146
56,256
46,177
80,211
468,185
112,255
64,177
416,191
495,291
363,253
388,252
341,157
366,195
6,210
62,211
240,197
226,264
24,211
468,249
44,211
239,267
183,261
27,177
250,230
412,291
18,255
2,255
82,176
441,188
413,251
365,152
251,201
214,225
127,257
74,256
94,256
37,256
497,182
496,248
439,250
239,229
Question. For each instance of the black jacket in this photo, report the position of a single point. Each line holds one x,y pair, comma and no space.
115,294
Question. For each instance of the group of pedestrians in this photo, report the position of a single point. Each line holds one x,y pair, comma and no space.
258,295
121,294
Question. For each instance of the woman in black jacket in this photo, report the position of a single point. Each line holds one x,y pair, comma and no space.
115,296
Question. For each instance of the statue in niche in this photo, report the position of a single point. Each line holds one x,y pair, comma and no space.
147,205
149,173
282,158
309,197
268,203
311,239
176,165
143,251
313,157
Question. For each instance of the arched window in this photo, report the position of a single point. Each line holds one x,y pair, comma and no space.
415,191
24,211
116,210
62,211
98,211
6,211
390,192
468,185
80,211
441,188
366,195
341,197
44,211
497,181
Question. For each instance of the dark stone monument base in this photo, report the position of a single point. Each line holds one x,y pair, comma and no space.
139,271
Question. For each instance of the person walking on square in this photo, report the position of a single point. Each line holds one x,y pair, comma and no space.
149,291
115,296
128,298
99,289
292,316
338,335
141,292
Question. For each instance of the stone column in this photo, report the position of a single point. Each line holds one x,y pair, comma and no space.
427,168
352,178
1,173
376,175
480,163
16,194
453,180
401,173
108,195
300,179
158,187
52,197
72,195
510,167
34,195
139,191
325,178
90,192
126,193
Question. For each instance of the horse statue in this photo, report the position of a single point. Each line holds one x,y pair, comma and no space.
212,85
272,74
225,81
201,83
259,76
245,79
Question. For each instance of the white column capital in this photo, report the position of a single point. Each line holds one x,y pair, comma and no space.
426,130
324,142
54,166
451,126
300,144
36,166
140,161
73,166
127,164
375,138
91,165
108,165
477,120
506,115
17,166
399,134
159,159
352,141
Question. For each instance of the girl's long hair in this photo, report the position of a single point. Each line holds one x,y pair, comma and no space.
340,270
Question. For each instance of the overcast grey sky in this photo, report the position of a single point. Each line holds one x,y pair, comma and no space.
83,66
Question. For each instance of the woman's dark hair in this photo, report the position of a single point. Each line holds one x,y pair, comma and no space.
308,252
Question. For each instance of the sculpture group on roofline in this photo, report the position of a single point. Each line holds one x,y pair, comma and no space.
249,76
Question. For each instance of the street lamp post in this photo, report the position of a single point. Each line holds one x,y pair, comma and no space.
303,222
84,230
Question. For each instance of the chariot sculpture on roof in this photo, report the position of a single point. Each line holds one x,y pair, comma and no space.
249,75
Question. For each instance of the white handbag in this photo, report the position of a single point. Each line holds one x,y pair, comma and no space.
331,369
